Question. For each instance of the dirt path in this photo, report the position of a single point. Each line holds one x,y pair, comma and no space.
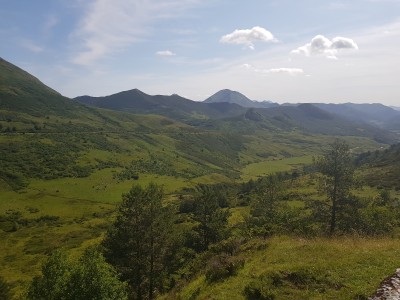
389,288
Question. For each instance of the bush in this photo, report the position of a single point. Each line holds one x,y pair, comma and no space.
187,205
223,266
256,290
89,278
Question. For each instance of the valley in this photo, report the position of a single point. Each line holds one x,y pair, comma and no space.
66,162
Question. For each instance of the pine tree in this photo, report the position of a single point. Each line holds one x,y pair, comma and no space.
264,207
337,169
138,240
211,218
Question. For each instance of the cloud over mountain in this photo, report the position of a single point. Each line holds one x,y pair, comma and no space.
320,45
247,37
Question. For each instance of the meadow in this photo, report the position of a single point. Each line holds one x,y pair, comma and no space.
73,213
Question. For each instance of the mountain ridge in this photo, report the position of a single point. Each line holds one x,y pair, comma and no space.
174,106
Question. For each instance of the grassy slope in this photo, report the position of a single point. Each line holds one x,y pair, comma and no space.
354,266
349,267
382,168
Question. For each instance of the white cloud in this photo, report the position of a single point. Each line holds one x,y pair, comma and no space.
321,45
165,53
289,71
112,26
247,37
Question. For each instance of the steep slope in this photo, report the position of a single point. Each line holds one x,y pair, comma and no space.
174,106
229,96
22,92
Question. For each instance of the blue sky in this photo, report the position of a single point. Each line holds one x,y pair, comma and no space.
284,51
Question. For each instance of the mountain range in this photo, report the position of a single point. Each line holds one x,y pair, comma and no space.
372,120
25,94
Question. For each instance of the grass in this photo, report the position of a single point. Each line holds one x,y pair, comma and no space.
267,167
83,207
346,268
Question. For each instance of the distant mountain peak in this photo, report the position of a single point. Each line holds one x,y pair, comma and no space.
229,96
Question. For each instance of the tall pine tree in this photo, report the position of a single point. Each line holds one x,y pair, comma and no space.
138,240
337,169
212,220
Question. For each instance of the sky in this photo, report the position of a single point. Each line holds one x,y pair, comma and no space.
278,50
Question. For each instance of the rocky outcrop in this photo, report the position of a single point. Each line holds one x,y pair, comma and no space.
389,288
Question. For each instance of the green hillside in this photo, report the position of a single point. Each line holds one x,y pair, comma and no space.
64,166
23,93
285,267
381,168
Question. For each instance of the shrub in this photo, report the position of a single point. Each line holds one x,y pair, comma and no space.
89,278
223,266
256,290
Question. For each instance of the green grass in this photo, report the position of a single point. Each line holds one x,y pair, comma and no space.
267,167
83,206
350,267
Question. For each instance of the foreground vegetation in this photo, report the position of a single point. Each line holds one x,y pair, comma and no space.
285,267
263,239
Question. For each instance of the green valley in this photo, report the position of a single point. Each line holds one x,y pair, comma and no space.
64,164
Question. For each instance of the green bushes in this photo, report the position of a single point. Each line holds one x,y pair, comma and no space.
13,220
259,290
89,278
223,266
154,165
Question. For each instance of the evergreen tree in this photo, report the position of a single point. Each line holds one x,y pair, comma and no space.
211,218
264,207
138,240
337,169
